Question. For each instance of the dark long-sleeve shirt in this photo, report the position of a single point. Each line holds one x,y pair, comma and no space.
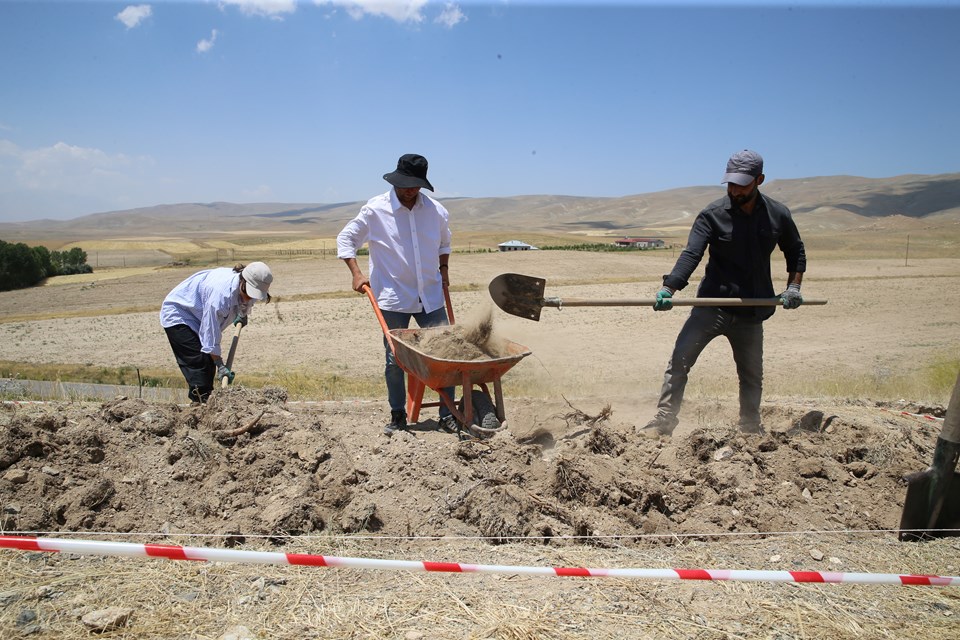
740,246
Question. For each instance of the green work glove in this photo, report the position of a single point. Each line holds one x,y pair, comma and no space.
791,298
224,372
240,320
663,300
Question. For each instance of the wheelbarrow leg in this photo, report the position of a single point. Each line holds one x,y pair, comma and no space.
467,400
498,397
415,389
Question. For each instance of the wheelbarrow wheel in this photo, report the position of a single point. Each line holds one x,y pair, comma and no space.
485,422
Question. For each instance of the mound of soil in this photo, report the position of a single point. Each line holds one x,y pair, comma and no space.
249,463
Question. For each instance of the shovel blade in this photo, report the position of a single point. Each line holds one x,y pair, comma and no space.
518,295
920,519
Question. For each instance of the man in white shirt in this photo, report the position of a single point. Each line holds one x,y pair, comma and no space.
408,237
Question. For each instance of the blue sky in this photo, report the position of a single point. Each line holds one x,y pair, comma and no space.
107,106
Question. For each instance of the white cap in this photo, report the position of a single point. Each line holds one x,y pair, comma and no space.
258,278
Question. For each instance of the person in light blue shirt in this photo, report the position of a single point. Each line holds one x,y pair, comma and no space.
197,311
408,235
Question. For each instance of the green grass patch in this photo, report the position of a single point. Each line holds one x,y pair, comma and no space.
942,373
300,384
88,373
931,383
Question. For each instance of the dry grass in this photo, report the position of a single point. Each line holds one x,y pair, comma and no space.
98,276
202,600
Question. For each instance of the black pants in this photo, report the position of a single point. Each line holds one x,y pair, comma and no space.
197,367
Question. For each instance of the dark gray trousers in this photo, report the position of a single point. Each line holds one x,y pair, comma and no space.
746,339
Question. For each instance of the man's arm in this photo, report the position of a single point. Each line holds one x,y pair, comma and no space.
359,280
691,255
445,269
351,238
792,247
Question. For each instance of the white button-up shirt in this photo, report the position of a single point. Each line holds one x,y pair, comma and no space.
207,302
405,247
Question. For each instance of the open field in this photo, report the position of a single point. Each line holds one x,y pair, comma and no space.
561,487
891,322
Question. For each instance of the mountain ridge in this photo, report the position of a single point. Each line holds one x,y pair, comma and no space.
831,201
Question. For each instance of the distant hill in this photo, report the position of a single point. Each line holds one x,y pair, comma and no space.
827,202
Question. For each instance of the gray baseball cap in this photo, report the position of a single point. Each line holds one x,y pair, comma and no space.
743,167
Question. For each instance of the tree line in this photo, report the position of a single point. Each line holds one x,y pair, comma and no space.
22,266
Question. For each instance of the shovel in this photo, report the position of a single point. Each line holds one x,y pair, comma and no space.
224,381
522,296
932,506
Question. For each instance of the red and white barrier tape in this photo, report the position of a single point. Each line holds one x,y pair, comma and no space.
924,416
172,552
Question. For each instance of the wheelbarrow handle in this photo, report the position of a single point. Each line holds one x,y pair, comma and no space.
383,323
446,297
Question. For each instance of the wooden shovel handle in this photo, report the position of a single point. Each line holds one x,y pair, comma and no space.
225,381
676,302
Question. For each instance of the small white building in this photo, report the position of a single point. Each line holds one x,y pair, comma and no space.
641,243
515,245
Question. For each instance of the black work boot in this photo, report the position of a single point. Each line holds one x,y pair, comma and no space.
398,420
751,428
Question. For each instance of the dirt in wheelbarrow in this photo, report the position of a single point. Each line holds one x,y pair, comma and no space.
472,339
251,463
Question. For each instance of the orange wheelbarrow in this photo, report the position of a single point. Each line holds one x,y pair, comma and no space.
424,370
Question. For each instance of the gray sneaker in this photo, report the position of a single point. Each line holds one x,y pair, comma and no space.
662,424
448,424
398,421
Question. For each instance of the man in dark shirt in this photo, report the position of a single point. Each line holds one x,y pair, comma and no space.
741,232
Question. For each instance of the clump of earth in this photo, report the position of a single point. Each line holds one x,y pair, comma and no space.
251,462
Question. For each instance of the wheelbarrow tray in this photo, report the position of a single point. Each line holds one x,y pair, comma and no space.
438,373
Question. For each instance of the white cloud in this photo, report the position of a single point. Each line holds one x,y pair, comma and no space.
8,148
205,45
399,10
262,193
66,179
68,167
275,9
451,16
133,15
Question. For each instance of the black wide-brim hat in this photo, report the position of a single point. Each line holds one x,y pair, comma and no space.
411,172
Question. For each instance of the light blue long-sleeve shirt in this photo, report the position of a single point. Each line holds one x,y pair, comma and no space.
207,302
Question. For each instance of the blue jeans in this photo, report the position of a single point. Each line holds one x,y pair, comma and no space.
396,379
746,339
